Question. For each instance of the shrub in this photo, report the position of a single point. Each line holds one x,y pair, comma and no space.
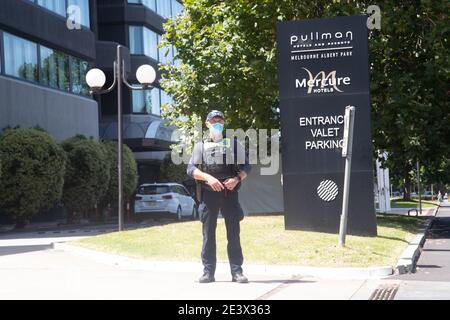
33,167
130,174
87,174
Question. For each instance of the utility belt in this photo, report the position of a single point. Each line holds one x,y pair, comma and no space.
202,186
206,186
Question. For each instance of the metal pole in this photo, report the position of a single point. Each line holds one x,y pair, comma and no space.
432,197
120,136
347,153
418,187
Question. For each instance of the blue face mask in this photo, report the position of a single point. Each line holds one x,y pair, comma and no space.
216,128
216,132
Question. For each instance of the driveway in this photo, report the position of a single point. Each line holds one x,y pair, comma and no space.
30,268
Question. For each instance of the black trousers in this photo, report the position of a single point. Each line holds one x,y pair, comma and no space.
227,202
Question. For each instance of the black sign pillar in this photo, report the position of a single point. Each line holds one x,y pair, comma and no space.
322,68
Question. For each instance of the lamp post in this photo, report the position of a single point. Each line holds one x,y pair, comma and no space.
96,79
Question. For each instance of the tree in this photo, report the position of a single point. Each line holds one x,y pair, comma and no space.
409,59
33,167
87,176
228,54
130,174
171,172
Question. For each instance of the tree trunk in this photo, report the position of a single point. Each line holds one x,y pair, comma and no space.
407,189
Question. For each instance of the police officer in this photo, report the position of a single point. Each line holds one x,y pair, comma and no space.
214,164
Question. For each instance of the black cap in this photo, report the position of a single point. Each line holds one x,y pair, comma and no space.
215,113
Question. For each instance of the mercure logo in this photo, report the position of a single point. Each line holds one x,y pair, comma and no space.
322,82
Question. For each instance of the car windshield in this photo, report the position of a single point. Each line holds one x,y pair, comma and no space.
153,190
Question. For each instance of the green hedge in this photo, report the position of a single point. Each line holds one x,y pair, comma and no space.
130,174
87,175
37,173
33,167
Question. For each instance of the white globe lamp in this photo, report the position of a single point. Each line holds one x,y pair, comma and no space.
146,75
95,79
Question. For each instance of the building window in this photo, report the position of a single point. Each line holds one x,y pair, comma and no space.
83,5
54,69
20,57
57,6
147,101
136,43
49,75
62,71
78,70
138,102
163,8
150,43
143,41
61,7
151,4
33,62
154,97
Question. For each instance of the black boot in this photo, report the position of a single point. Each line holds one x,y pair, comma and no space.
239,278
206,278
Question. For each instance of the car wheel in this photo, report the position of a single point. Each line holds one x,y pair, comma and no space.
194,213
179,214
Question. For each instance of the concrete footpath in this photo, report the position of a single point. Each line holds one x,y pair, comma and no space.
431,279
41,265
31,268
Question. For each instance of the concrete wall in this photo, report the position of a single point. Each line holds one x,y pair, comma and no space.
62,114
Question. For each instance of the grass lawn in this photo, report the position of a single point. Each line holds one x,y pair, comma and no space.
264,240
412,204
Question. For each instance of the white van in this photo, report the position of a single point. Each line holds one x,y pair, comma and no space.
159,200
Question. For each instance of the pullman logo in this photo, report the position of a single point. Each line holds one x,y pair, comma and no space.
322,82
325,38
321,45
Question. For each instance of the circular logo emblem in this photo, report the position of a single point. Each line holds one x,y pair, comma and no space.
327,190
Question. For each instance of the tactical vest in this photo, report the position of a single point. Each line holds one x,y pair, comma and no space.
217,161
